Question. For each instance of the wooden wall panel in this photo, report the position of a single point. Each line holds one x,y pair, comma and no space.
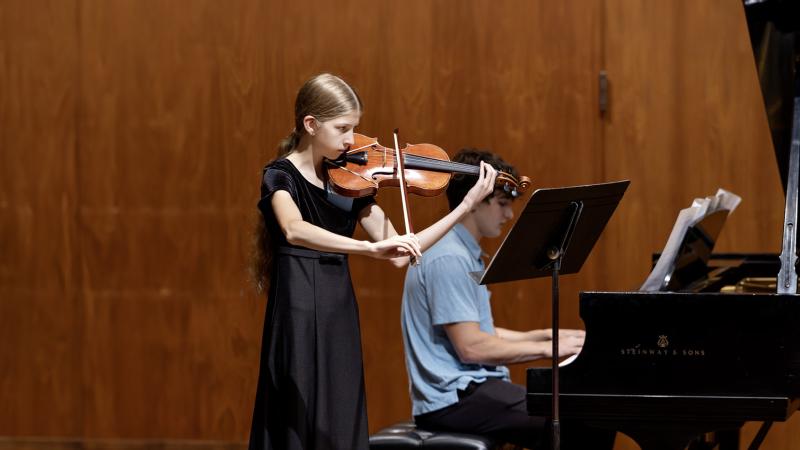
686,118
39,321
174,98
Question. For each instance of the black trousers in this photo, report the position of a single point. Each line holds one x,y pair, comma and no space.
497,409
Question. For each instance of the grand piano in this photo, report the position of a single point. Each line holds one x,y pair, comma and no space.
666,367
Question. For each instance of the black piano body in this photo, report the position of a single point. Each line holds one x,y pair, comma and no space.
665,367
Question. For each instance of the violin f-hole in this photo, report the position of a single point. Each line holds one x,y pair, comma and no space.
377,173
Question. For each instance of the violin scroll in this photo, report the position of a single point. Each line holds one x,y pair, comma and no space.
511,185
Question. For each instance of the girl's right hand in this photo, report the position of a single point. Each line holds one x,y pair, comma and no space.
396,246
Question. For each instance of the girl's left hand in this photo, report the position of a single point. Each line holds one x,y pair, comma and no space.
483,187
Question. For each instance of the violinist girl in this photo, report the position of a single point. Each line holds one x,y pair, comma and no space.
311,385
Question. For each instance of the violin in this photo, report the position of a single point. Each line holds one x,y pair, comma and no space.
422,169
426,168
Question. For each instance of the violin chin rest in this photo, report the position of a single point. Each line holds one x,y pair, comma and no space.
359,158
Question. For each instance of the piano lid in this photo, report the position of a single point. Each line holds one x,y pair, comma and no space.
774,27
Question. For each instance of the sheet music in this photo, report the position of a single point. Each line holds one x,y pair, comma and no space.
688,217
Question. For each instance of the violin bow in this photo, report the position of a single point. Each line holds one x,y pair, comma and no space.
403,189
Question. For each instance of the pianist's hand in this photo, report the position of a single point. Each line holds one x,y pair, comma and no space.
563,334
570,341
567,346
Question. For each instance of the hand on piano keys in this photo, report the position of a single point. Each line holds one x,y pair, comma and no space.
547,334
570,341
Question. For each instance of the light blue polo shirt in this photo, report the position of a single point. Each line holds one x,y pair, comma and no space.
440,291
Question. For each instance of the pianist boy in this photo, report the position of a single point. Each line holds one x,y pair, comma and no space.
455,354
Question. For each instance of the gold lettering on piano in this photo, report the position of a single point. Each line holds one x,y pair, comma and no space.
639,351
662,350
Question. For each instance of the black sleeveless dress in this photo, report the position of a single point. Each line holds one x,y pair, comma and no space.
311,382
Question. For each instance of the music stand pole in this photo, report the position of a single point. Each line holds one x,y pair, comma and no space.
556,420
555,253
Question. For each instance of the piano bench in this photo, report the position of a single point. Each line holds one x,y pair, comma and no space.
406,435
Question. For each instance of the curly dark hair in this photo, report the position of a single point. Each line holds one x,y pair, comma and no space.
461,184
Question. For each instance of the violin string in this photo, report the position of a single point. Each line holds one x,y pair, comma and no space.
450,165
433,162
428,162
438,164
444,164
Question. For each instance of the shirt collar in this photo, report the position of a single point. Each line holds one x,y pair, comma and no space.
468,240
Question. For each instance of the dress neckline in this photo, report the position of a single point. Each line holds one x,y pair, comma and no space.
322,189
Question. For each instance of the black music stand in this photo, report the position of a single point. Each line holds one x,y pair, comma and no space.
554,235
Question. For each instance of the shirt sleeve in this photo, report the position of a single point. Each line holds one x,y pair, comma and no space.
277,180
451,292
